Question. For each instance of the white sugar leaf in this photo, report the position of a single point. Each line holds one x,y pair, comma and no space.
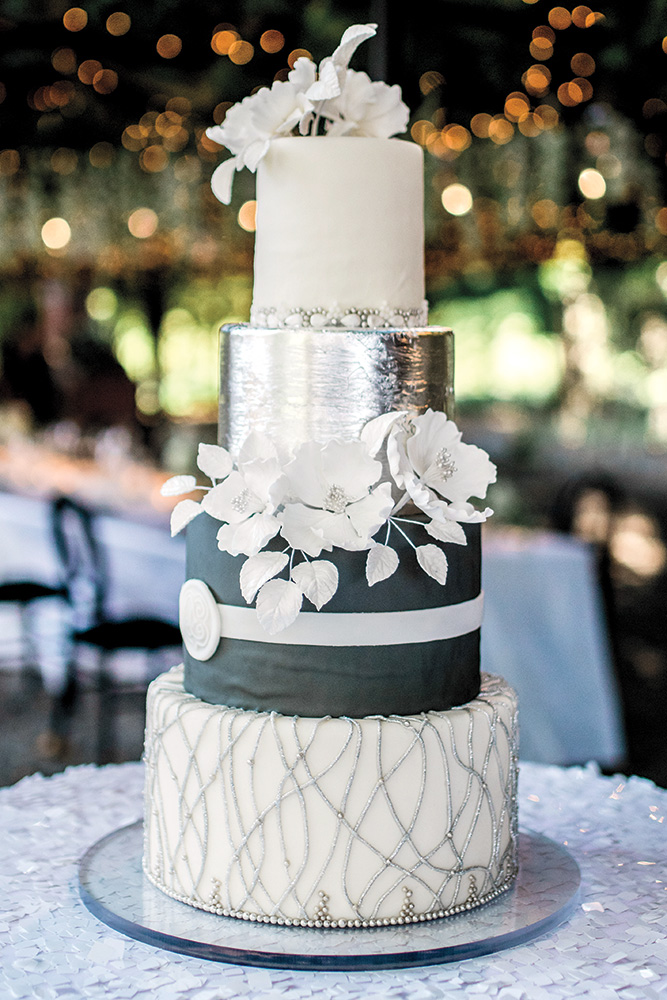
258,569
278,604
182,514
447,531
214,462
433,561
177,485
382,562
318,580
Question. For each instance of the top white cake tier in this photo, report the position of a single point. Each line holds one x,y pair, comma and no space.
340,234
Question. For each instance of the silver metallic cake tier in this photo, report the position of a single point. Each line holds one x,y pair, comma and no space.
303,384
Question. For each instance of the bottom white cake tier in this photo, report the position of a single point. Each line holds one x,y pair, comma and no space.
330,822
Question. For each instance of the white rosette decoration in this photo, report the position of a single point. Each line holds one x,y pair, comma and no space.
329,496
343,100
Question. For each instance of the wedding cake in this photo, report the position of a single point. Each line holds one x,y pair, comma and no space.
330,756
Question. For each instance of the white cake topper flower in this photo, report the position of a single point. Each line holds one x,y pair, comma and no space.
345,101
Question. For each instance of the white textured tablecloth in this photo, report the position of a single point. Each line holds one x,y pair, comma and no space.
614,945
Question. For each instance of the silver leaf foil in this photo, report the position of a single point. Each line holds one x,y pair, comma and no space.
302,384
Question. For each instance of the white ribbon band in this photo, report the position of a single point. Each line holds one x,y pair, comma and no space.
371,628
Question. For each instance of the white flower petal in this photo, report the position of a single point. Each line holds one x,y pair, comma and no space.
447,531
222,178
301,527
183,513
214,462
249,536
256,446
327,85
350,42
433,561
348,465
382,563
278,604
178,485
317,580
376,430
258,569
303,74
369,514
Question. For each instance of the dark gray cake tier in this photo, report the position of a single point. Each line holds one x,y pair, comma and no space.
343,680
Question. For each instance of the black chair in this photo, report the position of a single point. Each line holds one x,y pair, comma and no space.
84,574
25,595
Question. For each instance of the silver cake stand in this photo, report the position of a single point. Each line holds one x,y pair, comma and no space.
114,889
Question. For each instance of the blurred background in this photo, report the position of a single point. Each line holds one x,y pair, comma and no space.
546,213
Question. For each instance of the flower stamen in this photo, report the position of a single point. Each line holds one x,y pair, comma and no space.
445,463
336,499
240,501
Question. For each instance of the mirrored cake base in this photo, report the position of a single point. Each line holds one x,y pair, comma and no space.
114,888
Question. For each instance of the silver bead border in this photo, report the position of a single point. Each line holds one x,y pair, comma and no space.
261,918
320,318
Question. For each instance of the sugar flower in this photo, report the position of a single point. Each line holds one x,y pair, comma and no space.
247,499
342,100
438,472
331,500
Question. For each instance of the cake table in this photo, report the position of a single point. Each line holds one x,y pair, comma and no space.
613,945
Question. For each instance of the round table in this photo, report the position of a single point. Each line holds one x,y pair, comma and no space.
613,946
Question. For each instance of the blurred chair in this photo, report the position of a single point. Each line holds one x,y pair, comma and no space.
24,595
83,563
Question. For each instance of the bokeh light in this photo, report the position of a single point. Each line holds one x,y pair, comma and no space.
580,16
592,184
153,159
88,70
582,64
246,216
479,125
223,39
429,80
10,162
63,61
457,199
241,52
118,23
168,46
101,304
64,161
56,233
541,48
105,81
220,110
142,223
75,19
101,155
560,18
297,54
272,41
